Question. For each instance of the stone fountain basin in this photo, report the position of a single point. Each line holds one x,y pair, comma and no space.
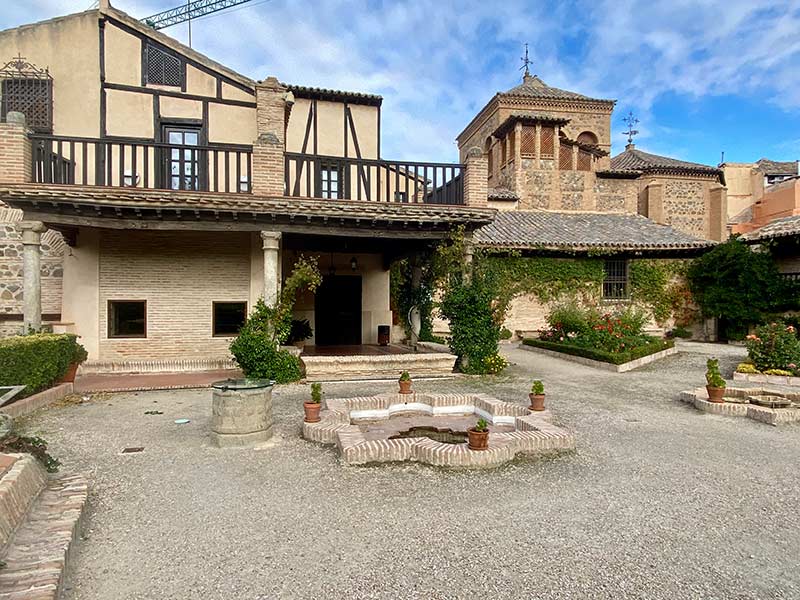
770,401
368,429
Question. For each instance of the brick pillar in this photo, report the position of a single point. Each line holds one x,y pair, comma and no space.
272,283
556,149
31,274
15,150
268,149
476,175
575,158
718,213
655,202
538,146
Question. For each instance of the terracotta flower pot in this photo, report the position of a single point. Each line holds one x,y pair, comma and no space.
312,411
478,440
405,386
69,375
715,394
537,401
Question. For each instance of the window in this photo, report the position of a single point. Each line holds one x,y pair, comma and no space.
183,166
31,97
587,137
127,318
401,196
330,178
228,318
615,282
162,68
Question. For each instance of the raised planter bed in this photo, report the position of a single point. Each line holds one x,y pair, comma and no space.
762,378
616,363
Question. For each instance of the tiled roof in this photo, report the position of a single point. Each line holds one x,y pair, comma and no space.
131,203
302,91
533,87
636,161
778,228
774,167
502,193
582,231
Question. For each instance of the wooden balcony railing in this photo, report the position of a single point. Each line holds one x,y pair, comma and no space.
144,164
338,178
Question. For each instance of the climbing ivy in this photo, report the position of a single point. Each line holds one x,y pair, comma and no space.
659,285
404,296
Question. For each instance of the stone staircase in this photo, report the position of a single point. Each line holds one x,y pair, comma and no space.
39,522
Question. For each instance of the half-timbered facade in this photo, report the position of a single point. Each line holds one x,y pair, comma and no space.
172,192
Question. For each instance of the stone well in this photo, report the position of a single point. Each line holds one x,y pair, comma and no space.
241,412
384,428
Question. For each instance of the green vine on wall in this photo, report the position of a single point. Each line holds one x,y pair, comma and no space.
660,286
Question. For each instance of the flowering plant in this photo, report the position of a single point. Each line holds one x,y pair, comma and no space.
774,346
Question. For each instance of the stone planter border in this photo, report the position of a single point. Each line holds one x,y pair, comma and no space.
598,364
37,401
761,378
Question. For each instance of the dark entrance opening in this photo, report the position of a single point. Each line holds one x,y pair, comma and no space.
337,308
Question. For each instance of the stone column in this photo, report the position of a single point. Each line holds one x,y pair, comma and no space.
416,282
468,253
476,175
32,274
272,283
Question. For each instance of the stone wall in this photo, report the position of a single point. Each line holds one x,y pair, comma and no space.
574,191
180,275
685,203
11,292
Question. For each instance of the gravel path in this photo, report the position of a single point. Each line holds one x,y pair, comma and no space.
659,501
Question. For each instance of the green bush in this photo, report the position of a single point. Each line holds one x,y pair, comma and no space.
37,360
774,346
570,318
713,376
615,358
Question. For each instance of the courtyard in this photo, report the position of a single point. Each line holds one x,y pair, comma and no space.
657,501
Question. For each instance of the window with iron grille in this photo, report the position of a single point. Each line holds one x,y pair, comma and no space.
162,68
615,281
27,89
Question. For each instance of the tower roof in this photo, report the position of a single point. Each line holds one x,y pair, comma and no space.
633,160
533,87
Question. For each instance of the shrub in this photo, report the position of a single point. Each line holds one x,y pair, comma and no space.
37,360
494,364
537,387
615,358
680,332
780,372
774,346
30,445
506,334
746,368
570,318
299,331
316,393
474,332
713,376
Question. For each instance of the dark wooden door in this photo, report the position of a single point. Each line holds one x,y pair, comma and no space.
337,311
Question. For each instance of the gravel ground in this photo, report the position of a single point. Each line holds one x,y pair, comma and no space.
658,501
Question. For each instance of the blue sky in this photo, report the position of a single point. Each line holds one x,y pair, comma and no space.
702,77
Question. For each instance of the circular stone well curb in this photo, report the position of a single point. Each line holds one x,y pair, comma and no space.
533,433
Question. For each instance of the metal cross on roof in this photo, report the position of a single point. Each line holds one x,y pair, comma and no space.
631,122
525,62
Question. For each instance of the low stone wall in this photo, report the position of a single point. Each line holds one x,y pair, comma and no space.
761,378
105,367
628,366
388,366
21,484
37,401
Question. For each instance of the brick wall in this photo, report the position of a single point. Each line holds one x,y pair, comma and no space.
180,275
268,160
11,292
15,154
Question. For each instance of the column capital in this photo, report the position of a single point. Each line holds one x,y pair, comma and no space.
271,240
31,232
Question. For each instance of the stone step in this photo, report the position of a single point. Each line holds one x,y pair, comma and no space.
382,366
38,555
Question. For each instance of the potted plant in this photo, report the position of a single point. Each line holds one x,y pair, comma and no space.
299,332
312,408
405,383
537,396
715,383
79,356
479,435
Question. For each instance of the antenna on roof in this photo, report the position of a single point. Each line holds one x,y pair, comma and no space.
631,122
525,62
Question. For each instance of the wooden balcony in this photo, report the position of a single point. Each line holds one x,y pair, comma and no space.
228,168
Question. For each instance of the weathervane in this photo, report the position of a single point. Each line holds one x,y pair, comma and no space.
525,62
631,122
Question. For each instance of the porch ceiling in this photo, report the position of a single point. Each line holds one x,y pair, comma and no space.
131,208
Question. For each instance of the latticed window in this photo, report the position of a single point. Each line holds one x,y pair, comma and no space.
163,68
27,89
548,137
615,280
565,157
528,141
584,161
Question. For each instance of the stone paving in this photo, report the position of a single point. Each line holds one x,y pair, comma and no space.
657,501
